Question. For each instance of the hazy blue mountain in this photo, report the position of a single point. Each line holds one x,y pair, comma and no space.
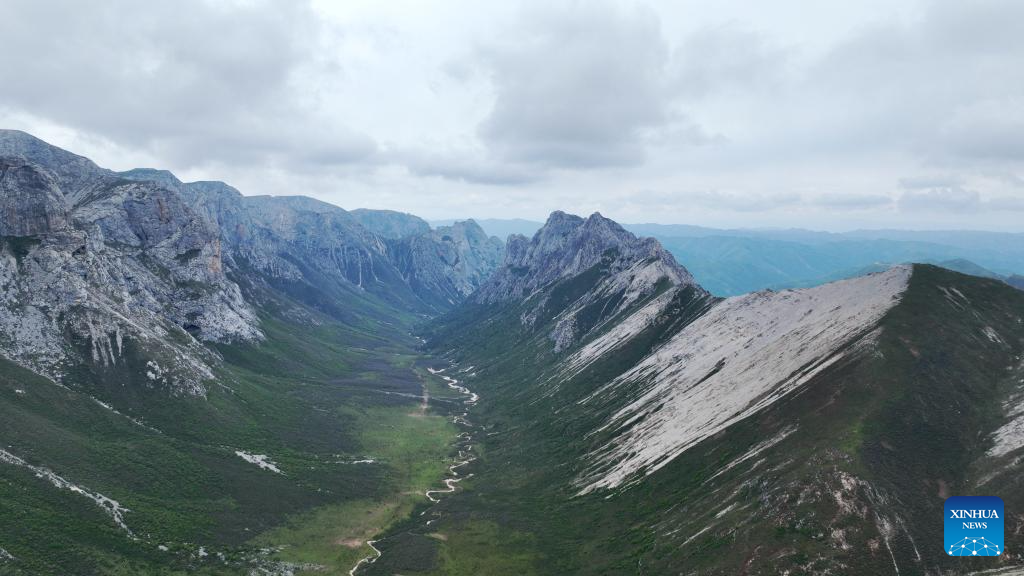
735,261
447,264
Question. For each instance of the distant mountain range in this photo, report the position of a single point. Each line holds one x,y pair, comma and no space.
735,261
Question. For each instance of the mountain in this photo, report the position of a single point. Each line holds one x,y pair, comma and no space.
1017,281
579,273
805,431
98,270
731,262
390,224
449,263
197,381
502,228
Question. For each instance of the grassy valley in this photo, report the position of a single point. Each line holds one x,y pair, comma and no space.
337,409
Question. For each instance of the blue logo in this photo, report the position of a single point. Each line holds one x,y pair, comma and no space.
974,526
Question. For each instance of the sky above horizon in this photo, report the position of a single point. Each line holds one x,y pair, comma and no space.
822,115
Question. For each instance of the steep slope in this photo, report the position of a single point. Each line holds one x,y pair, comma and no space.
743,355
808,431
113,271
446,265
324,254
309,249
575,275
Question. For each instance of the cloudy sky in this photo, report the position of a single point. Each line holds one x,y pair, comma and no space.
826,115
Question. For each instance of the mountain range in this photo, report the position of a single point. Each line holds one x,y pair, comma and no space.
736,261
197,381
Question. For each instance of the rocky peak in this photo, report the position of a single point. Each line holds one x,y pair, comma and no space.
446,265
568,245
70,171
576,274
114,270
30,201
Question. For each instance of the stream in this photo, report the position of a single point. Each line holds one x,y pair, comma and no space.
464,443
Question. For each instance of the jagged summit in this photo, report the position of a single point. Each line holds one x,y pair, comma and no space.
449,263
576,274
568,245
70,170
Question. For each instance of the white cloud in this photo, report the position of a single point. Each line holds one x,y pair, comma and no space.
783,113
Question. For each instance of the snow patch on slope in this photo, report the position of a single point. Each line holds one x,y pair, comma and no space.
741,356
109,505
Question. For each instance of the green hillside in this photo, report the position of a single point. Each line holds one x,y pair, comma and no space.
870,448
315,397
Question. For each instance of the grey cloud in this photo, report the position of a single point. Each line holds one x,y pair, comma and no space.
851,201
1006,203
719,200
192,81
989,129
466,167
576,87
946,87
957,200
942,199
723,58
936,194
927,182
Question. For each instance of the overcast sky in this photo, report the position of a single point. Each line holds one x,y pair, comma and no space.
825,115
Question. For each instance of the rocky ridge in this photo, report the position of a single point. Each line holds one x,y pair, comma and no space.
100,268
603,270
449,263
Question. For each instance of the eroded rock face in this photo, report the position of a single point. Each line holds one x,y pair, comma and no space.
97,271
102,268
303,240
567,246
596,267
446,265
390,224
30,202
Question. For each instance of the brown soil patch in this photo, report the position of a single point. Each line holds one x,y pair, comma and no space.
349,542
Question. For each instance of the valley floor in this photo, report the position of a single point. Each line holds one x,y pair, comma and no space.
307,446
